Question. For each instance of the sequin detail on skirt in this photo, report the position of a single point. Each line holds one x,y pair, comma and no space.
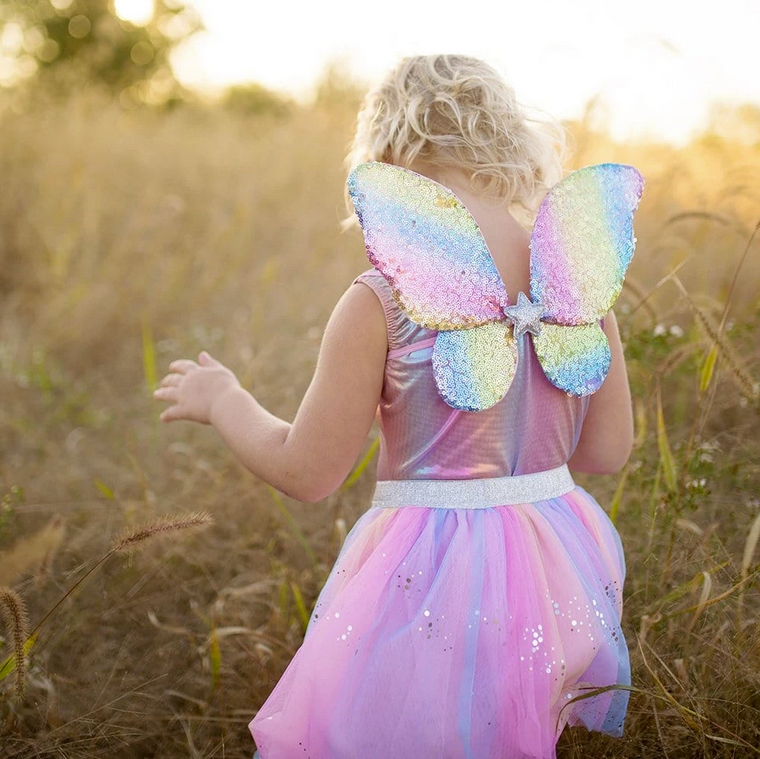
458,632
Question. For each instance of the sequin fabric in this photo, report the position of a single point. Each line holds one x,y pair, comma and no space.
582,242
473,368
575,359
427,245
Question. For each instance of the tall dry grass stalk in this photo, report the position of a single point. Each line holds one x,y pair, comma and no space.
737,367
133,539
14,611
17,624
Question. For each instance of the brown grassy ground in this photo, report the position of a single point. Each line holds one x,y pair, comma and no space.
131,239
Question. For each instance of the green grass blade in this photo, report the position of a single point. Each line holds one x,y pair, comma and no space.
9,665
149,356
362,465
706,373
618,496
215,657
300,605
283,509
104,489
666,457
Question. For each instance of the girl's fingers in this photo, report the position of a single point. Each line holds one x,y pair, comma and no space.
171,414
207,360
170,379
183,365
167,394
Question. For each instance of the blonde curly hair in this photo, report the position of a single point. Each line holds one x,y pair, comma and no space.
457,111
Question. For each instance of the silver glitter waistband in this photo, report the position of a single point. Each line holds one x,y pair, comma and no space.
478,493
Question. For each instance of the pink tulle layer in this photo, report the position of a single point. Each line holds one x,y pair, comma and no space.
455,633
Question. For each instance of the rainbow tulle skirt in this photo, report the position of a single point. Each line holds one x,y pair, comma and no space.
462,619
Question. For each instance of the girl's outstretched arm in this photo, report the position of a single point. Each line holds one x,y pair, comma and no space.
310,457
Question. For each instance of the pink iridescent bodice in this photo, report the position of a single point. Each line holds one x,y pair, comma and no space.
534,427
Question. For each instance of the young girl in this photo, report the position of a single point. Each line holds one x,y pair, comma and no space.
482,590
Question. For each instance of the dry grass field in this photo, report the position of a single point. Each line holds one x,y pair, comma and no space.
131,238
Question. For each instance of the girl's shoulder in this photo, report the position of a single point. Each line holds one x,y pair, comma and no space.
401,330
370,274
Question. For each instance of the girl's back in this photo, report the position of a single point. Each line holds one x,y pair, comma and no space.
534,428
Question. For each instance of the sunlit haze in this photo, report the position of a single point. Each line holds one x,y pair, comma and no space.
136,11
655,65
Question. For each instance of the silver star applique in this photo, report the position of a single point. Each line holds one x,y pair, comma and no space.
525,316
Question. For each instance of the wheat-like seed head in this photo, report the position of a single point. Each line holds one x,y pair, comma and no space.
736,366
17,623
134,538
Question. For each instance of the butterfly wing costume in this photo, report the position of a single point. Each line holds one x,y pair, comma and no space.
429,248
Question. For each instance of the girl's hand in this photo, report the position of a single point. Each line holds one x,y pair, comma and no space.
192,388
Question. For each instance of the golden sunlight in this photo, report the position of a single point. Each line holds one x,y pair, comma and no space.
137,12
648,72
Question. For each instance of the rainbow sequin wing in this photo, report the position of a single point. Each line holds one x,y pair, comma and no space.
581,245
428,247
574,359
474,368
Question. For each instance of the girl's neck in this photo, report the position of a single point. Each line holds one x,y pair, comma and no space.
507,239
480,204
453,178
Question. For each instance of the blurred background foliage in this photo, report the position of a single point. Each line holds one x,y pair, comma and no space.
63,45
